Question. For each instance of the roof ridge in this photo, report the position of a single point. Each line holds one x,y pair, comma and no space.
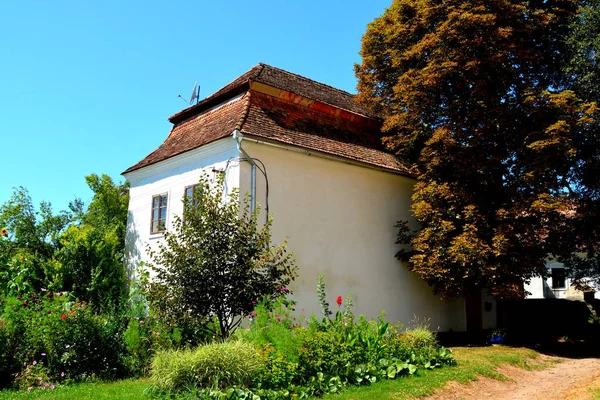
306,79
242,121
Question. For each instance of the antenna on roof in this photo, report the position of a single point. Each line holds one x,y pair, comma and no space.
195,95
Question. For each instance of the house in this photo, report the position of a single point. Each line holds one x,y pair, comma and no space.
312,158
556,285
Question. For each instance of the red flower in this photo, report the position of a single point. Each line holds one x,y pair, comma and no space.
339,300
63,317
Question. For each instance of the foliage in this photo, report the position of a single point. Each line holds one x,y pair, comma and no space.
7,361
272,325
474,96
66,337
584,42
34,375
216,365
297,358
27,249
322,297
145,336
92,250
473,362
216,262
79,250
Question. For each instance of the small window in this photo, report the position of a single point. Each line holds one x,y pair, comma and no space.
159,213
188,196
559,276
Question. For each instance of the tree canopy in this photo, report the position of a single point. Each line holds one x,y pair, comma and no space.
79,250
216,262
479,96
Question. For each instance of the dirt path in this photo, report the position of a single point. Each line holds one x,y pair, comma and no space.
569,380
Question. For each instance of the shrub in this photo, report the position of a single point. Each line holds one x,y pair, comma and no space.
69,339
419,337
277,371
272,324
216,262
143,338
217,365
7,362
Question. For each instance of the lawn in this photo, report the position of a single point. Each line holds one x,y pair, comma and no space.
471,362
120,390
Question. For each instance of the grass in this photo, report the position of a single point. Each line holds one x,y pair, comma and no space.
471,363
119,390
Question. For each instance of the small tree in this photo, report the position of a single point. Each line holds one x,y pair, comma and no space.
216,262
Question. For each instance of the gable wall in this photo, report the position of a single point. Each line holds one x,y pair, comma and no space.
340,222
171,176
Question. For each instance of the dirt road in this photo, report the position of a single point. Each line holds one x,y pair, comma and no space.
571,379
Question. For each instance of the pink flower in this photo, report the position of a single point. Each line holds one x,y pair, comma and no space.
34,363
303,310
253,313
52,387
43,354
29,389
67,346
62,374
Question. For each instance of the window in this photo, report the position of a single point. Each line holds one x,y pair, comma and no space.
559,276
188,196
159,213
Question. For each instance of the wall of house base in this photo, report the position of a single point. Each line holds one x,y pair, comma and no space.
340,221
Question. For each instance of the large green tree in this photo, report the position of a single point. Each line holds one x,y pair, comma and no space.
92,248
79,250
27,251
475,95
216,262
583,67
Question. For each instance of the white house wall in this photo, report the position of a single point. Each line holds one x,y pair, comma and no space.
171,176
340,222
541,288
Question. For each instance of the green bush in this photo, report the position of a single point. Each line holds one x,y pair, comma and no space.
272,324
7,362
67,338
216,365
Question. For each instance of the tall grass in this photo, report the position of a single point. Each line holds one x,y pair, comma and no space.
216,365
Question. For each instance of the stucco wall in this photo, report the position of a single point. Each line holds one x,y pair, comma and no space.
171,176
541,288
340,222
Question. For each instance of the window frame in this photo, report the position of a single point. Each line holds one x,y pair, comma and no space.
558,278
185,196
162,213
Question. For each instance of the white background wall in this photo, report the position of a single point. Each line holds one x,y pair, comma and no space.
171,176
542,287
340,222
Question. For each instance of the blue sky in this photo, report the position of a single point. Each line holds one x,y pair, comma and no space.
86,87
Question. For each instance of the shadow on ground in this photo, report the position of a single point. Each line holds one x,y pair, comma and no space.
550,326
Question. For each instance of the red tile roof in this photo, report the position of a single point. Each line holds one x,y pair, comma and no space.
198,131
282,121
281,79
299,112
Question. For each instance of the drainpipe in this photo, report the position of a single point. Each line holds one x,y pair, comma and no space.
238,137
